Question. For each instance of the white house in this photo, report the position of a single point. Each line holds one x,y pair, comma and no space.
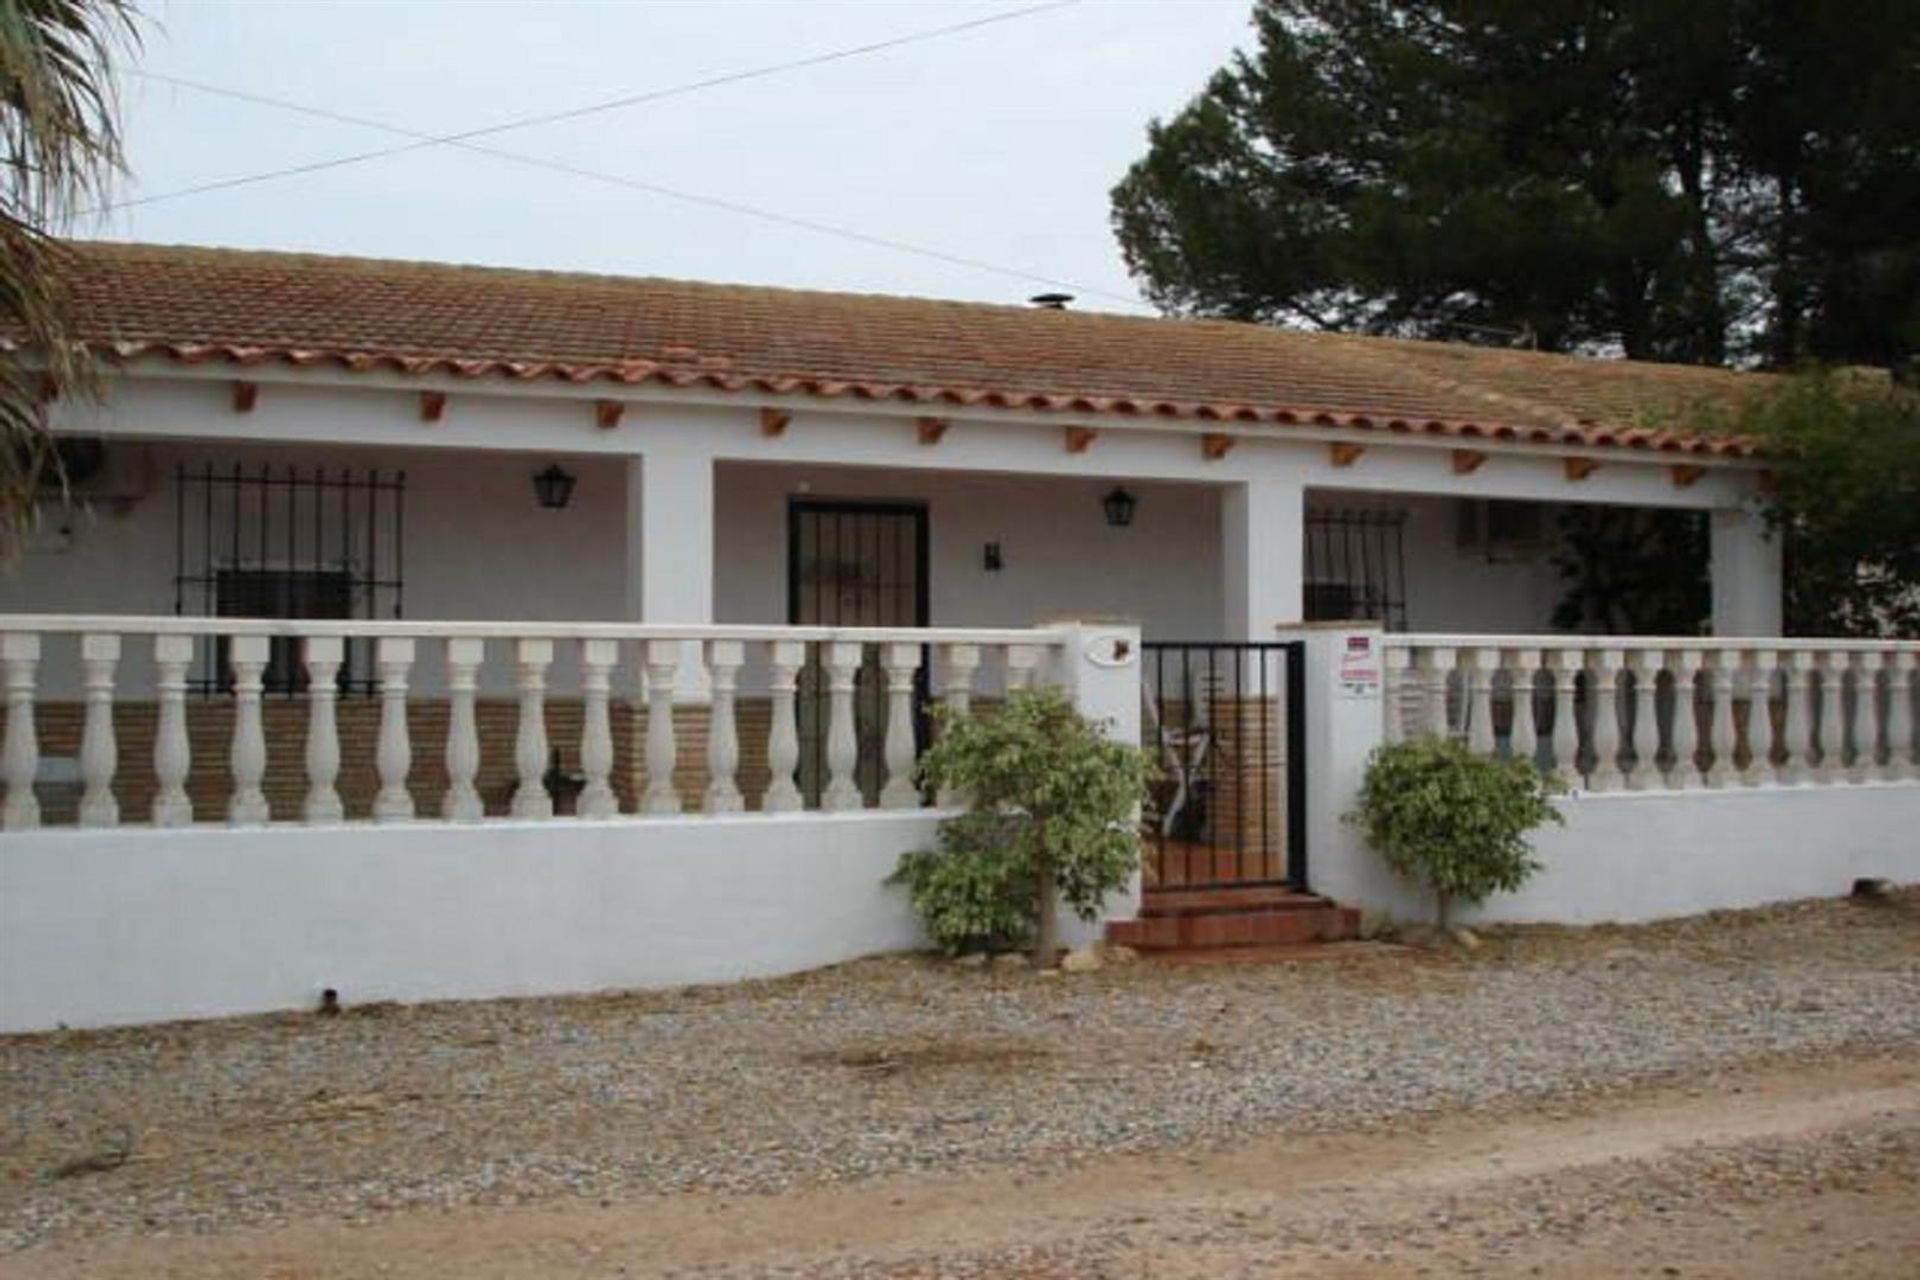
369,566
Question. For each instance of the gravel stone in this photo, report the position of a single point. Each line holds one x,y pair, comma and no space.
906,1063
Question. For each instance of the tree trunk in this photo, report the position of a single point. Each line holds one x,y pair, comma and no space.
1046,929
1442,910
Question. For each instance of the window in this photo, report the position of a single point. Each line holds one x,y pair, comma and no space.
1356,568
267,541
1502,530
282,593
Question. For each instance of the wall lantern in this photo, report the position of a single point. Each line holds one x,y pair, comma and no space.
554,487
1119,507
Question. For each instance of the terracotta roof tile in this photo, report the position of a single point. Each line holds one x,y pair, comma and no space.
244,308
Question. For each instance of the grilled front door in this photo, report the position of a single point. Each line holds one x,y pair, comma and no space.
853,564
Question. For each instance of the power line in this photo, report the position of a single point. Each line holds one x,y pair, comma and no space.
457,142
526,122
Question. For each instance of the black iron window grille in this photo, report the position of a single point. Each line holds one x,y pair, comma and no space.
1356,566
286,542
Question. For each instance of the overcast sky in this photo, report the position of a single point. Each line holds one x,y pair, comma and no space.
998,143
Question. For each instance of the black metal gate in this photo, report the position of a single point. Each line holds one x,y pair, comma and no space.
1223,721
854,564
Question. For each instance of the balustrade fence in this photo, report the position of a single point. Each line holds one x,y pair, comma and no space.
607,660
1644,714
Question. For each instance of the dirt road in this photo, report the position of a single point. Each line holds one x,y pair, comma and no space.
1810,1171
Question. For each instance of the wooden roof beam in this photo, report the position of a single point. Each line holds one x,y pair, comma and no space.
1080,439
1579,469
1467,461
1344,454
606,414
245,396
1215,445
774,422
930,430
433,406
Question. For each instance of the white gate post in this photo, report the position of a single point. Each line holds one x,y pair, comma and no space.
1098,665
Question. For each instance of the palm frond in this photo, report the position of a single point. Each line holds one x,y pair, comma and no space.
59,146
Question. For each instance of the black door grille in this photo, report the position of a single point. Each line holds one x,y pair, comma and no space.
855,564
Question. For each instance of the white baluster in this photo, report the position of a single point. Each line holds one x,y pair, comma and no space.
1798,769
1605,686
1760,681
1565,743
597,661
902,662
1436,665
1866,717
172,756
1481,664
662,661
1902,761
961,662
323,655
1830,729
784,660
843,661
1397,665
1524,739
393,756
461,802
1684,664
20,758
1022,661
99,753
1724,772
723,744
531,799
247,759
1645,774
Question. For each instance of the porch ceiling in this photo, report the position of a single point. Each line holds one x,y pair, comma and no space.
218,305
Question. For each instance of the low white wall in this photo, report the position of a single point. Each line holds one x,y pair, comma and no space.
100,928
1626,857
1642,856
1622,856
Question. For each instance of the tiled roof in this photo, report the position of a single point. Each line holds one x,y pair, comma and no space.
246,308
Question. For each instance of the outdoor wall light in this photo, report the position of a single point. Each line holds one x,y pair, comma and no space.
1119,507
554,487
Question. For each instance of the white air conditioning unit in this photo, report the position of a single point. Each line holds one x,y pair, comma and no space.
94,470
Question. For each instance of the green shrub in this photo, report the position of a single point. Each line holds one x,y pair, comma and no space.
1052,811
1452,822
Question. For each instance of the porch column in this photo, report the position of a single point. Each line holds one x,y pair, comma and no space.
670,546
1748,583
1262,555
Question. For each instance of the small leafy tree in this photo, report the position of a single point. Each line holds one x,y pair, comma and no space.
1453,822
1052,807
1632,571
1846,497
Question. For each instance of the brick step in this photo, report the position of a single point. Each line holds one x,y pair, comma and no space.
1207,902
1259,927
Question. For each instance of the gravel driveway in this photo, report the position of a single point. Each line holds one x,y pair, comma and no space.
901,1064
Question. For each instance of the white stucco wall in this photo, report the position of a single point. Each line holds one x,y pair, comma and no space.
1622,856
476,545
106,927
1060,557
